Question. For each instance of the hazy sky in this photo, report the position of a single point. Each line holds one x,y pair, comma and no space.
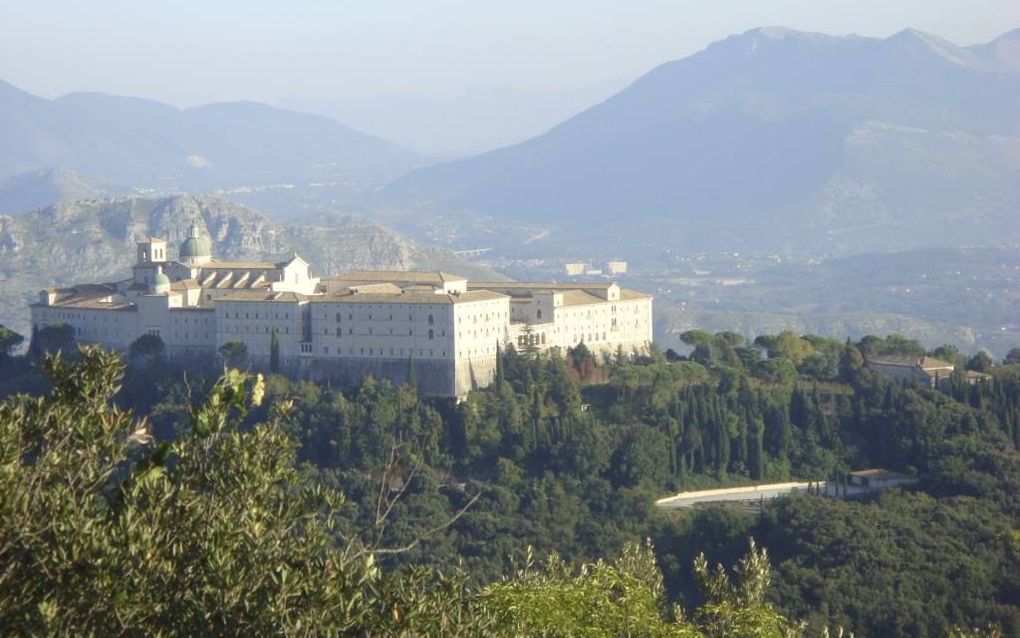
188,52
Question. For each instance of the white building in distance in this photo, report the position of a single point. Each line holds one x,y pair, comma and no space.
383,323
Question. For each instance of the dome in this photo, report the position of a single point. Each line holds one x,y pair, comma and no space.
194,247
161,279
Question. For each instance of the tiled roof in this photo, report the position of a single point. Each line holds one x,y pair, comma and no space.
264,295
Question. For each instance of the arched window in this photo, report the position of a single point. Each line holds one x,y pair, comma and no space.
431,320
432,334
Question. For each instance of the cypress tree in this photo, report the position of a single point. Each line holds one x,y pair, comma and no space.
412,376
274,353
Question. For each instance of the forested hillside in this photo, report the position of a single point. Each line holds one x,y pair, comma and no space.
567,454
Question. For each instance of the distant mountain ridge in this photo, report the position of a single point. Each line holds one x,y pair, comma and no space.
39,188
774,138
142,143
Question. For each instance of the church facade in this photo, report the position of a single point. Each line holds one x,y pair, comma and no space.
444,328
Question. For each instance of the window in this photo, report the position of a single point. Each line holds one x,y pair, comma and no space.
339,332
431,334
431,320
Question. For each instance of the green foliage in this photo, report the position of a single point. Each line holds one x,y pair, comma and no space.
980,362
234,354
619,598
51,339
9,340
104,531
625,597
148,348
571,466
100,532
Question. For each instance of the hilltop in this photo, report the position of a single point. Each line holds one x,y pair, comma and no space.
142,143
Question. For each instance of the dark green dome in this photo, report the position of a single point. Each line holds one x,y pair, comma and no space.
195,247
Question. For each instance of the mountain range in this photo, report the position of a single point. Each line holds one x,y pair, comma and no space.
773,139
134,142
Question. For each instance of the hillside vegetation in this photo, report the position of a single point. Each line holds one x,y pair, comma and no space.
566,454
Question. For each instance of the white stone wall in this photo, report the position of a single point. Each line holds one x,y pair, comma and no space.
112,328
383,330
603,327
252,322
190,329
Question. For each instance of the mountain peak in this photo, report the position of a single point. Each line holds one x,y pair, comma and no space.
922,41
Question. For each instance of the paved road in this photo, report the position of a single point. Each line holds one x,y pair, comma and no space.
752,493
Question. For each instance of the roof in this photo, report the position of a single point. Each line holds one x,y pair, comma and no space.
879,473
536,286
580,298
243,265
146,240
90,296
265,296
924,363
517,288
401,276
194,247
375,289
409,297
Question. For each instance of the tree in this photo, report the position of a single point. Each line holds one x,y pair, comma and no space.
274,353
102,531
235,354
737,607
949,353
786,345
148,348
1012,357
9,340
980,362
54,338
625,597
